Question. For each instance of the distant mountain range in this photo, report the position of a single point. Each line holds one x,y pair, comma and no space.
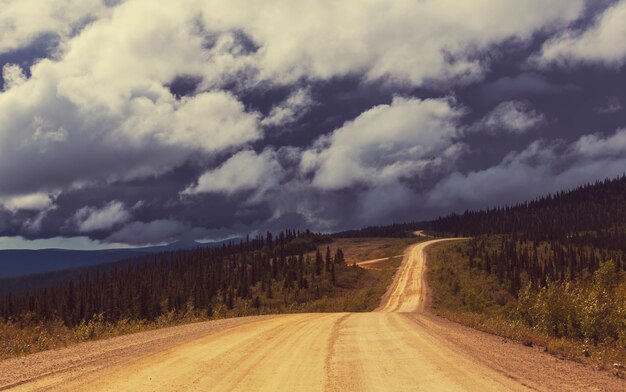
21,262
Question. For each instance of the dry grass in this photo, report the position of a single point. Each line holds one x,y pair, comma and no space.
20,339
361,249
359,291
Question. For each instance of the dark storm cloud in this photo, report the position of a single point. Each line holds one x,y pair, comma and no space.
540,168
148,205
522,85
162,230
221,125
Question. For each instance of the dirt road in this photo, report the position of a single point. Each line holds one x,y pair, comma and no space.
398,348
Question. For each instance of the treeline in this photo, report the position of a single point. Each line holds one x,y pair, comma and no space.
562,237
580,318
562,259
573,288
593,207
201,280
397,230
516,262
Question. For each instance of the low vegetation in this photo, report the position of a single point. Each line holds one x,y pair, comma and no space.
550,271
582,318
262,276
360,249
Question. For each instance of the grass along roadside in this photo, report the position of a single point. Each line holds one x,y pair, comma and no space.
474,298
354,290
361,249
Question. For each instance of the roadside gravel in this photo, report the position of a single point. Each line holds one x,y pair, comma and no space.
92,356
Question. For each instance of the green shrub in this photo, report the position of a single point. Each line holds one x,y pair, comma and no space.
584,318
594,312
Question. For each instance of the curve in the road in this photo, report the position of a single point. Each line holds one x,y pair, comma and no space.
406,292
377,351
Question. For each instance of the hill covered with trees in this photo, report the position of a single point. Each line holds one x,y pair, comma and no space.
285,273
202,278
556,265
558,237
592,207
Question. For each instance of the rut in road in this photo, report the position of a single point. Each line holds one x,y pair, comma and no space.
383,350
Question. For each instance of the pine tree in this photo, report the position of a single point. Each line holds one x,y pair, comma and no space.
339,258
318,262
328,259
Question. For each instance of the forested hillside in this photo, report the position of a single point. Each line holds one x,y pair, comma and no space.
594,207
201,278
291,272
555,238
558,264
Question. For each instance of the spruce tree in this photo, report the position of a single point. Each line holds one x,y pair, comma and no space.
328,259
318,262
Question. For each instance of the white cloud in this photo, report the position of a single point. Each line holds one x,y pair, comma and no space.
209,122
34,202
386,143
100,110
103,99
104,102
597,146
510,116
603,42
38,204
310,39
89,219
289,111
23,21
13,75
245,170
405,41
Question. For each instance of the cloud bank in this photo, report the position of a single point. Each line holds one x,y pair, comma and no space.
146,122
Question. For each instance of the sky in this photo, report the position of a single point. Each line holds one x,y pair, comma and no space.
134,122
